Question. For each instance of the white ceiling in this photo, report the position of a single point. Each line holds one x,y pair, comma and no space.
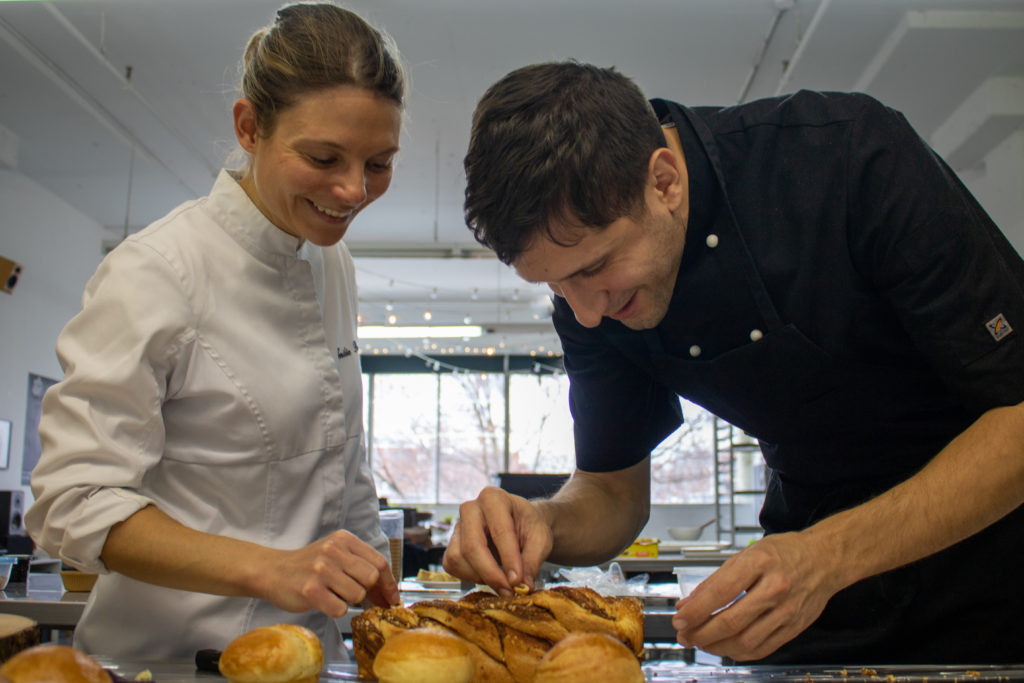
70,119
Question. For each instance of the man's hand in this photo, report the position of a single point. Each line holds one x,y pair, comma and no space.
500,540
760,599
329,575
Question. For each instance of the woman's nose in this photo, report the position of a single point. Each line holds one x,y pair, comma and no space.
350,186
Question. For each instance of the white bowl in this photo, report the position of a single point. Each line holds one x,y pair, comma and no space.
685,533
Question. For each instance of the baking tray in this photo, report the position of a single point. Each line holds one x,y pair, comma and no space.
673,671
682,672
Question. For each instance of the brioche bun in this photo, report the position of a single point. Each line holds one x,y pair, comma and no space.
424,655
589,657
57,663
284,653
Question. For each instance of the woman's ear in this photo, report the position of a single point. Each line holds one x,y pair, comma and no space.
246,129
667,174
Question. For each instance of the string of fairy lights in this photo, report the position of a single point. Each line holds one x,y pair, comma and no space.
518,323
437,365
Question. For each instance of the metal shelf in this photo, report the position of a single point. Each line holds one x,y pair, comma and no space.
733,449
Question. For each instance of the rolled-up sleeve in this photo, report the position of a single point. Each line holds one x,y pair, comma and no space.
101,428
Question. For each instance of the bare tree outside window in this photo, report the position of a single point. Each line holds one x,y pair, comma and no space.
541,436
472,434
422,455
405,437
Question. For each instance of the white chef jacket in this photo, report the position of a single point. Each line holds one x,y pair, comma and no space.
213,372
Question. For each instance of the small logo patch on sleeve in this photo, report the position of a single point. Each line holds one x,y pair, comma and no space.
998,327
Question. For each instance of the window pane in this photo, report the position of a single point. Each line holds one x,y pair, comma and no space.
472,434
541,437
405,438
682,466
404,429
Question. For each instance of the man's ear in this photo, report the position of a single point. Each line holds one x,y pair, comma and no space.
246,129
667,174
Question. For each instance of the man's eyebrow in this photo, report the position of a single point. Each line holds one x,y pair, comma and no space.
573,274
582,269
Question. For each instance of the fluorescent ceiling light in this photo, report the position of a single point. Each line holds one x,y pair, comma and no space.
418,331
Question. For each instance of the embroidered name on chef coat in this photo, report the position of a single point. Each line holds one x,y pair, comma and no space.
998,327
345,352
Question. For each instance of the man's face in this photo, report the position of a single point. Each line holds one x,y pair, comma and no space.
626,271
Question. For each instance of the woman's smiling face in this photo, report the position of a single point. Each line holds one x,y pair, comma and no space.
328,156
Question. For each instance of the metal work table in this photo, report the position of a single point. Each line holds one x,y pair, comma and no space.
659,672
59,609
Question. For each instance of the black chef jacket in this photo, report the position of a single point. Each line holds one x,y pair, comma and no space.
843,298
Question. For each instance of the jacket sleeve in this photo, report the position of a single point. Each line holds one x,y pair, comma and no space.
101,428
951,277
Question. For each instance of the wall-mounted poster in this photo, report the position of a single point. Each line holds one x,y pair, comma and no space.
37,386
5,443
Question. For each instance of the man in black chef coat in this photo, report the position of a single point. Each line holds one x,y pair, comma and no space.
808,269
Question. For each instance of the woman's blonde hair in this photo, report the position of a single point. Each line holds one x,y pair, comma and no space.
310,47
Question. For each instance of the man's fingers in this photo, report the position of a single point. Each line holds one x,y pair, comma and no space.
473,555
761,635
536,546
501,524
706,599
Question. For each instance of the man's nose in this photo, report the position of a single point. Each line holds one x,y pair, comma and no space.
587,304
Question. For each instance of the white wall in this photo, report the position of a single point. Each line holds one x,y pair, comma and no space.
58,249
998,183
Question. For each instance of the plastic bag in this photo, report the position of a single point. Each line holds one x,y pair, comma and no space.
611,582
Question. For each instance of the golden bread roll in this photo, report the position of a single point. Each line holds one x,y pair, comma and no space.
589,657
424,655
58,663
283,653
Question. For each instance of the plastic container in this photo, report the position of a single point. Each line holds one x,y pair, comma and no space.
6,567
690,577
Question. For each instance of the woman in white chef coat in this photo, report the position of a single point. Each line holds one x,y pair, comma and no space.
204,452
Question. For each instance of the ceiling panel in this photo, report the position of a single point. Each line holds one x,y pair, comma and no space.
63,93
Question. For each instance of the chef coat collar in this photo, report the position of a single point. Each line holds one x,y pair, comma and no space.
243,220
704,195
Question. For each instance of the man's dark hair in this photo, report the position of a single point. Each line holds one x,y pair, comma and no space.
557,141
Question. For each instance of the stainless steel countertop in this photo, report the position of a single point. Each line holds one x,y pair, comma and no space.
661,672
50,609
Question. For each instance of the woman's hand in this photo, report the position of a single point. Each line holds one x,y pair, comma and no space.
329,575
500,540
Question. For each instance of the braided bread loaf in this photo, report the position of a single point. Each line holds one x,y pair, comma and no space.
507,637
